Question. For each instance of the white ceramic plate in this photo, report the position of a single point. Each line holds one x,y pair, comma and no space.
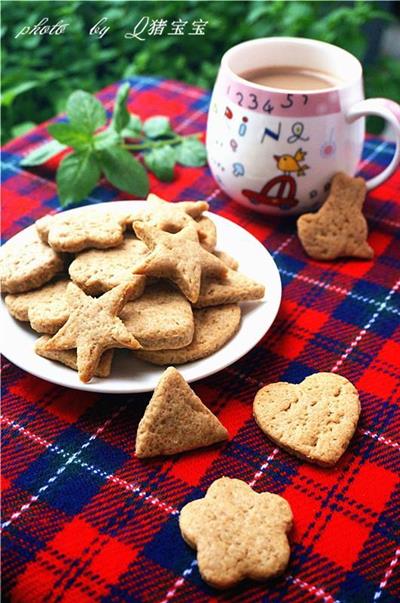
130,375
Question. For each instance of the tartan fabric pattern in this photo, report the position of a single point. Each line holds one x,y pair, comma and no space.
83,520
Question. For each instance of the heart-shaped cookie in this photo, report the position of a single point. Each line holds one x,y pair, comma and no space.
314,420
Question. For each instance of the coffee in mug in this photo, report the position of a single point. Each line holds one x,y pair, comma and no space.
291,78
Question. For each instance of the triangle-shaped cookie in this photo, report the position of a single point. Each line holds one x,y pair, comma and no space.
176,420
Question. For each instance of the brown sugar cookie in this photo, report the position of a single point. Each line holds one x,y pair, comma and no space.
176,420
161,318
339,228
170,216
93,326
207,232
99,270
227,259
178,257
68,357
83,229
237,533
213,328
314,420
234,287
27,264
45,308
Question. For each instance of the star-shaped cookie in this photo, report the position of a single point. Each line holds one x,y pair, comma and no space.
178,257
93,326
237,533
172,217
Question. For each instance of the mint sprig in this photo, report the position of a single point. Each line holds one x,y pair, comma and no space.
99,150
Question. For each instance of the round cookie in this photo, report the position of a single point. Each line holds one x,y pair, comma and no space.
45,308
27,264
99,270
160,319
315,420
213,328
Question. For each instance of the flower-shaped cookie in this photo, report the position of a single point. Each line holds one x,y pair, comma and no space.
237,533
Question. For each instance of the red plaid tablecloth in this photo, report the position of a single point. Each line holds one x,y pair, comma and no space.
85,521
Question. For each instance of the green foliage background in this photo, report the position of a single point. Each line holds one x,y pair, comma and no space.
39,72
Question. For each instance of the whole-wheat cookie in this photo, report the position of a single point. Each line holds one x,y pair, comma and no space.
227,259
213,328
93,326
83,229
45,308
178,257
207,232
27,264
314,420
237,532
176,420
339,228
171,217
161,318
99,270
234,287
68,357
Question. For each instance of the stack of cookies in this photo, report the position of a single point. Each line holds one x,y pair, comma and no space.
94,280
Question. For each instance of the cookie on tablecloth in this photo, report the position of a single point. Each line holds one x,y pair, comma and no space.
315,420
237,533
176,420
339,228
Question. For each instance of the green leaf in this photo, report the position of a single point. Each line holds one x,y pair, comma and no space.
77,176
134,127
191,152
70,135
7,97
161,162
157,126
106,138
124,171
120,118
23,128
85,111
43,153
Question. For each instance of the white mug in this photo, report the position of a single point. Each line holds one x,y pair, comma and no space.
276,150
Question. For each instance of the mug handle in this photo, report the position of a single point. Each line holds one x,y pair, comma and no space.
390,111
